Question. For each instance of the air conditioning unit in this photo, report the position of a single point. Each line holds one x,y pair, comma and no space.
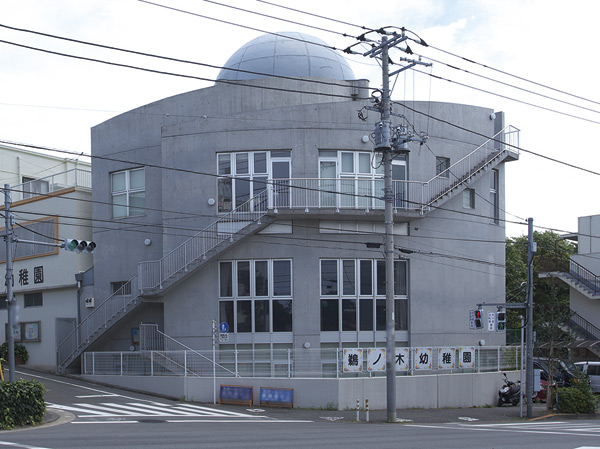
89,302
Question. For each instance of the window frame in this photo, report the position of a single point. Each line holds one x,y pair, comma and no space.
127,192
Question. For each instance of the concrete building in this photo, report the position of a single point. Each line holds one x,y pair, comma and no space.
252,202
50,200
583,278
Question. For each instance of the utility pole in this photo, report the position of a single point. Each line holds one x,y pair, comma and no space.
531,250
10,300
390,141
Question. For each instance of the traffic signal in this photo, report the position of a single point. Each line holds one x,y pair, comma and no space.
500,320
79,246
479,319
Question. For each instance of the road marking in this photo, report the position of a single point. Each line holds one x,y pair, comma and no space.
23,446
130,409
97,396
550,428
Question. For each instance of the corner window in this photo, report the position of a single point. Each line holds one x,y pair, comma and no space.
128,189
442,164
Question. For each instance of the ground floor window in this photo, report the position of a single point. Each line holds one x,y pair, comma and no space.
256,295
353,295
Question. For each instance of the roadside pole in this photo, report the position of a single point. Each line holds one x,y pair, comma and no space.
10,300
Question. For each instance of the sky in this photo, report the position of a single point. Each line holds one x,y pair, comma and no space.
53,101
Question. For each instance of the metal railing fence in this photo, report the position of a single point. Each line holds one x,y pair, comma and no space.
585,276
153,273
290,363
76,177
469,165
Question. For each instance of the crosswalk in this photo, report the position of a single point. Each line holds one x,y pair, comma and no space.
87,412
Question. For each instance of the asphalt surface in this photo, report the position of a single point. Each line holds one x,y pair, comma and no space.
506,413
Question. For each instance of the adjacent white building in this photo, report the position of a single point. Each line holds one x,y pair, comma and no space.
50,200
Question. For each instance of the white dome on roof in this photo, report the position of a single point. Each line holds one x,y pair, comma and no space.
286,54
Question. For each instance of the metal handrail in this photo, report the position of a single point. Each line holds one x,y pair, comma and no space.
112,306
467,167
153,273
79,338
176,343
585,325
75,177
584,276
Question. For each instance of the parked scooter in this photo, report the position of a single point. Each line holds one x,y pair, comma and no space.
510,392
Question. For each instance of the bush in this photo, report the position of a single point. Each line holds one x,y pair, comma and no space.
20,351
21,403
579,398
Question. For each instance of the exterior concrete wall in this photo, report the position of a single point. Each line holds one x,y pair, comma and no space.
435,391
449,272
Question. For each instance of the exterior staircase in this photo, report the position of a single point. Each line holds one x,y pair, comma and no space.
155,277
459,175
589,335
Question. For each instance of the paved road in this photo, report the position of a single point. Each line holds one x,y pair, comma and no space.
93,416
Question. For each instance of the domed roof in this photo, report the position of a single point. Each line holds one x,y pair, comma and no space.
277,55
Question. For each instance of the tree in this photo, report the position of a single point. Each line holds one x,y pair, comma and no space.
550,295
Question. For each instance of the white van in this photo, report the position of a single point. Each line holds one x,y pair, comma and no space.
592,369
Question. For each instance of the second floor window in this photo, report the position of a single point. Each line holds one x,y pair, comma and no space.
128,189
246,175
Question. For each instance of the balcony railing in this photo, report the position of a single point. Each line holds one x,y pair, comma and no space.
75,177
339,193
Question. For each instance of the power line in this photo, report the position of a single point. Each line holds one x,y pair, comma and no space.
496,140
508,84
165,58
236,24
506,97
512,75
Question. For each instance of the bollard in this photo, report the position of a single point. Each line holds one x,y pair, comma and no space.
357,410
367,409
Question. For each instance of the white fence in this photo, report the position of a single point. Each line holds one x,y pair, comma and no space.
289,363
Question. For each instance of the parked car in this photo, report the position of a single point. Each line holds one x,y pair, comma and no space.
557,375
592,370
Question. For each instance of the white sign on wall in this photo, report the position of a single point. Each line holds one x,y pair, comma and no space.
353,360
401,360
423,358
467,357
446,358
376,359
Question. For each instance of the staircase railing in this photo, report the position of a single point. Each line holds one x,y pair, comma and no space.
113,306
98,319
154,272
584,276
588,328
469,165
152,339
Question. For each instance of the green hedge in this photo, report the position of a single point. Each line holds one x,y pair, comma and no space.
21,403
579,398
